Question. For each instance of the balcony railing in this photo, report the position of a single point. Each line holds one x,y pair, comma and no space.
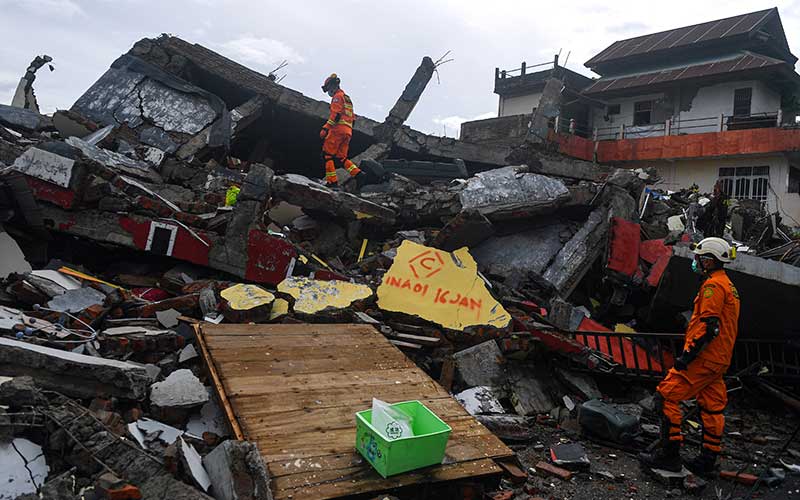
720,123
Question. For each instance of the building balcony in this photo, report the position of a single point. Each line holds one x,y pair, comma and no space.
716,137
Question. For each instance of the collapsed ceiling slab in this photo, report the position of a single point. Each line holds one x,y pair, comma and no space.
302,116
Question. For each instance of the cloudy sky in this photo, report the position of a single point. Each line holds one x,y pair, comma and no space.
374,46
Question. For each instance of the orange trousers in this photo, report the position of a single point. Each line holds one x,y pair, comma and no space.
334,151
701,380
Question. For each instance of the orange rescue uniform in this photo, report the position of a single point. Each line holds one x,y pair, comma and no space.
717,298
337,140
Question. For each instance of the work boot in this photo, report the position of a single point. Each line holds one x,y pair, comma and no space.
666,457
704,464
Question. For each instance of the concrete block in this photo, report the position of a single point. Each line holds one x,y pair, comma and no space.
180,390
73,374
481,365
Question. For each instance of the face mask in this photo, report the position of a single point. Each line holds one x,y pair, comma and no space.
696,268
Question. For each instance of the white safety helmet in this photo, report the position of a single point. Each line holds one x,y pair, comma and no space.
716,247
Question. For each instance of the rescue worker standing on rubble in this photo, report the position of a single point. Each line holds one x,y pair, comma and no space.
336,132
698,371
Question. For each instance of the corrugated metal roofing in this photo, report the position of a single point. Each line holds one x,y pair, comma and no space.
712,30
746,61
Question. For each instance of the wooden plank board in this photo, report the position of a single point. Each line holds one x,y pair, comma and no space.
294,390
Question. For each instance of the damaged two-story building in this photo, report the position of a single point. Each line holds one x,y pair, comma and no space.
709,103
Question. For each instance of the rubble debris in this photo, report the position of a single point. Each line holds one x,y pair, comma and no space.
12,260
481,365
188,353
24,97
607,422
168,318
211,419
528,393
193,463
571,456
181,390
75,301
480,400
670,480
73,374
237,472
583,385
545,469
316,296
24,119
441,287
23,468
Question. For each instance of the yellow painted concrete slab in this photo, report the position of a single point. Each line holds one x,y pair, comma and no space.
243,297
314,296
441,287
279,308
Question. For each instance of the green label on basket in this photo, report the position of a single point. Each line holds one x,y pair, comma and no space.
394,430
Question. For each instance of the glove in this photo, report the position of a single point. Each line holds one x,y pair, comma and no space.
323,133
682,362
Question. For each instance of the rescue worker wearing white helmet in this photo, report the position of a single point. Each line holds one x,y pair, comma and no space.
698,371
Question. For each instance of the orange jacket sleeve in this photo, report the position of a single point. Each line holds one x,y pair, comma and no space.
337,108
711,299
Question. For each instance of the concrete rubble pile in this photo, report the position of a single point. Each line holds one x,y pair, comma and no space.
182,187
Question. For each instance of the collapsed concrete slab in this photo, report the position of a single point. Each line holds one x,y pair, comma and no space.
514,257
73,374
441,287
511,192
311,195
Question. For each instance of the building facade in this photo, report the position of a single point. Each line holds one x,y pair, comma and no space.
706,103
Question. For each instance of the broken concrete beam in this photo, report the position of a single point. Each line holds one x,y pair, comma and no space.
576,257
311,195
116,161
237,472
73,374
481,365
408,100
548,108
25,119
512,192
441,287
312,297
467,229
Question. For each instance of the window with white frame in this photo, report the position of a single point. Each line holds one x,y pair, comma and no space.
745,182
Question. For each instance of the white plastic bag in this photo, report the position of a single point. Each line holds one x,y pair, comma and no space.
390,422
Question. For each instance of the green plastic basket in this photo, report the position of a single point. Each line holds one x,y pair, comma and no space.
390,457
